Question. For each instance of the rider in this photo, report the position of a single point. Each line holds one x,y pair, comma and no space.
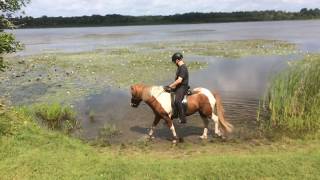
180,85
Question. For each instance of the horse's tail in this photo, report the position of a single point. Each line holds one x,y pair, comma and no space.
226,126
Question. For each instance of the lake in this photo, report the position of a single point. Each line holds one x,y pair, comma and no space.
242,82
306,34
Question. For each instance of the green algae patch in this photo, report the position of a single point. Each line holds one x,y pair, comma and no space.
68,76
234,49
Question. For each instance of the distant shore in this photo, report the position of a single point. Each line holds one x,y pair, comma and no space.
187,18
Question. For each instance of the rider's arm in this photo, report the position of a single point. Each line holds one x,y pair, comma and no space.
175,83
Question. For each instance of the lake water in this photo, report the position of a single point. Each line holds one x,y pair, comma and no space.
304,33
241,82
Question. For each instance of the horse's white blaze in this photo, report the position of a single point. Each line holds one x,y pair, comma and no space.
162,97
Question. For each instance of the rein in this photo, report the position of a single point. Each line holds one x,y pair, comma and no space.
155,98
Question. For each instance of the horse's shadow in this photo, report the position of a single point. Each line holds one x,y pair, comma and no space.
165,133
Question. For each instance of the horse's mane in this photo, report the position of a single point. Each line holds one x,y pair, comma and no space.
149,91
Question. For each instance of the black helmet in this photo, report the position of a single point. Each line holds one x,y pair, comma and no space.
176,56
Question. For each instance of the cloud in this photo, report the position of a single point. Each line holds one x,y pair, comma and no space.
157,7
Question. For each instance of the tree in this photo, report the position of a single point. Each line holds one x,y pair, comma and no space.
8,44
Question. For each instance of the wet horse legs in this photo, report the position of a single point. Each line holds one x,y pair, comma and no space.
154,124
205,130
216,125
171,127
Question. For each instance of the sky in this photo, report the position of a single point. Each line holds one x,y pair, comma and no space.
39,8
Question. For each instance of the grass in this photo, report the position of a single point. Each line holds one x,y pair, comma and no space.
230,49
2,64
56,117
28,151
294,98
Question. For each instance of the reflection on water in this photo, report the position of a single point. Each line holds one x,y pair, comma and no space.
248,75
241,84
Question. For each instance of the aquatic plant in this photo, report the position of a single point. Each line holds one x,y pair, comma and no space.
92,115
234,49
64,77
294,98
67,76
106,133
57,117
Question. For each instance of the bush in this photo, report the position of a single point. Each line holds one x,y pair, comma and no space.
294,98
57,117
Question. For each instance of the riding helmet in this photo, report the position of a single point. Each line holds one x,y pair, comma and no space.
176,56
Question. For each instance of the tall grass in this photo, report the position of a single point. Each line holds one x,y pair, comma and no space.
57,117
294,98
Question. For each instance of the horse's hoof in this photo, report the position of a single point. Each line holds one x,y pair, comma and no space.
217,136
150,138
223,137
175,140
203,137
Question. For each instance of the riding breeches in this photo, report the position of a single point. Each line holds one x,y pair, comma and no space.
180,92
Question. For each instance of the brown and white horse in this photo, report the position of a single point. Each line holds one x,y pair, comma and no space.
201,100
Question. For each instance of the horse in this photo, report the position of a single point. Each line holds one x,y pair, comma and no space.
201,100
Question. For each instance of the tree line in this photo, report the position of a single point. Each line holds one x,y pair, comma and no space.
193,17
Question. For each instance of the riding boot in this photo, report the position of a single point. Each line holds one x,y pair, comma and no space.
178,102
181,113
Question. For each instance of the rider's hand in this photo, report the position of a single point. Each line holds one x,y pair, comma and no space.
167,89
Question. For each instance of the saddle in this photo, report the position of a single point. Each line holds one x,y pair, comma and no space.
184,103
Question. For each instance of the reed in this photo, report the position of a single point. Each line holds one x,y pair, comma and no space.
294,98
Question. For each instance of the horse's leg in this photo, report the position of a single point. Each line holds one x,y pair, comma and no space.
216,125
205,130
171,127
154,124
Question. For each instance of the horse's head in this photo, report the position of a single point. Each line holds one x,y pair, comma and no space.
136,95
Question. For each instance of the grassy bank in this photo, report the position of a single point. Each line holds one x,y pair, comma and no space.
294,98
30,152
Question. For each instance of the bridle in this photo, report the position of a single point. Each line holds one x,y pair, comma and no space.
135,101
